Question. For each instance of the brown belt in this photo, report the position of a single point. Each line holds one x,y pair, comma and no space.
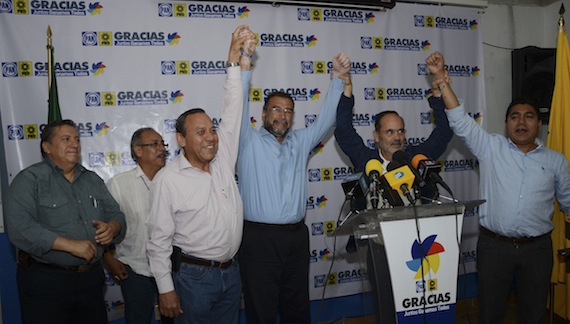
514,240
206,263
281,227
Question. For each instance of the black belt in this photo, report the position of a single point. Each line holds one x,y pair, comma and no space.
78,268
514,240
281,227
25,260
207,263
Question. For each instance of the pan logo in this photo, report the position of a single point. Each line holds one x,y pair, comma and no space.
310,119
427,117
170,126
425,257
96,159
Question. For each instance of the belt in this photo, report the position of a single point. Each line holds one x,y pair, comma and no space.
280,227
78,269
514,240
25,260
207,263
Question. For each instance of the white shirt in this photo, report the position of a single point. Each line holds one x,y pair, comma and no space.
131,189
200,212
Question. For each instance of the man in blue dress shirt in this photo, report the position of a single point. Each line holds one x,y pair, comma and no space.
520,178
274,255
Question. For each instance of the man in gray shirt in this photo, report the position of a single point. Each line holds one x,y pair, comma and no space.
61,216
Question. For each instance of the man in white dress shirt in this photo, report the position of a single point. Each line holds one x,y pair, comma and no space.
197,213
131,189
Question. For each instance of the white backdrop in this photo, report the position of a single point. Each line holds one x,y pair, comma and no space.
126,64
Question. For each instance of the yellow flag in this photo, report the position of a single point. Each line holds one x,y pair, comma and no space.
559,140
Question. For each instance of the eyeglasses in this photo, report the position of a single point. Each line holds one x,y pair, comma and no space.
155,145
278,110
391,132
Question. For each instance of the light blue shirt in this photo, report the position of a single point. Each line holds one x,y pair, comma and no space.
272,176
519,187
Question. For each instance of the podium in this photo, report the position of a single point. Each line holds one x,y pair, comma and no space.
413,257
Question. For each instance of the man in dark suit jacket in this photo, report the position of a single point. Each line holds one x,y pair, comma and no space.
389,135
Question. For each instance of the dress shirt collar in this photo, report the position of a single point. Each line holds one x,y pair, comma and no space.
537,141
78,167
264,132
183,163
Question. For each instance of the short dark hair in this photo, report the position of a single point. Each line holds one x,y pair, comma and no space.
522,101
381,115
136,138
279,94
49,131
182,119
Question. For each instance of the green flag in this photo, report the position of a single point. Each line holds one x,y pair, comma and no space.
54,113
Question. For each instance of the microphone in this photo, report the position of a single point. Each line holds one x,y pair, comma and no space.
373,170
402,158
429,168
401,179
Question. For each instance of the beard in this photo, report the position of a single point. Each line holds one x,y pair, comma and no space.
277,132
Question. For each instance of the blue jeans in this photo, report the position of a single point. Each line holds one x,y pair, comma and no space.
208,294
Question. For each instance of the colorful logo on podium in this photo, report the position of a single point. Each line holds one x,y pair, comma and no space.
425,257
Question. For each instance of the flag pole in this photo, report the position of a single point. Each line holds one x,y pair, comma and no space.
49,46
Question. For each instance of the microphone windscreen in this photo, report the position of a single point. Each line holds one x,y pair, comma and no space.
373,165
417,158
393,166
401,157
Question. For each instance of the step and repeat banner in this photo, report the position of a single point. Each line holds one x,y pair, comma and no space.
122,65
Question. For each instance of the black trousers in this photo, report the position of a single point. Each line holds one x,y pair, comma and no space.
274,265
59,296
381,282
530,264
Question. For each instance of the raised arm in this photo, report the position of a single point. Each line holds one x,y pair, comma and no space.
346,136
232,107
316,131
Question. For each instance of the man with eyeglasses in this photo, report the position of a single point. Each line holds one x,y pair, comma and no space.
390,135
274,255
131,189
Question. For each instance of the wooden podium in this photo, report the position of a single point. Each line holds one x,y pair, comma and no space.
413,256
